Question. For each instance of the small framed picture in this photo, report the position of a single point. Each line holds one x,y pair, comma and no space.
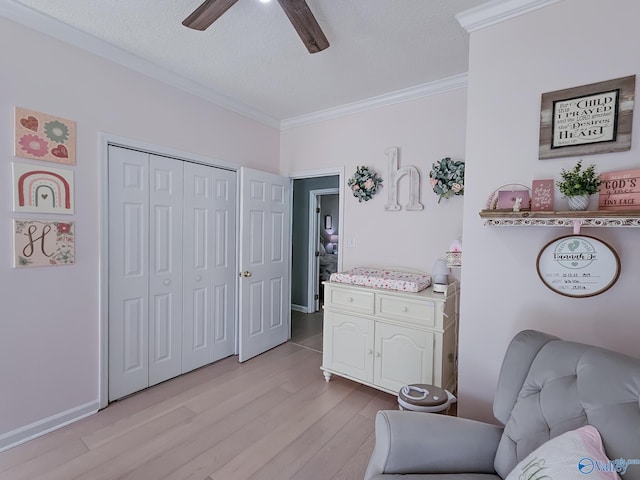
43,243
42,189
508,199
39,136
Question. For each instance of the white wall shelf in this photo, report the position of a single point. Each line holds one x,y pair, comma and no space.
589,218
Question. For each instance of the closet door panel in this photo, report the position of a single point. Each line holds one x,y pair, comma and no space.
165,266
172,268
128,271
209,265
224,269
198,240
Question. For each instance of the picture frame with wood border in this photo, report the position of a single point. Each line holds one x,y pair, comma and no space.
578,266
590,119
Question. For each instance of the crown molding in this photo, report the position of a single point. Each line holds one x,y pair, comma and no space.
391,98
497,11
47,25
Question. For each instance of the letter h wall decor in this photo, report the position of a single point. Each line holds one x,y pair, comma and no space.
395,174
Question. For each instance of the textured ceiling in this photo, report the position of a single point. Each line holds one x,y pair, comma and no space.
253,55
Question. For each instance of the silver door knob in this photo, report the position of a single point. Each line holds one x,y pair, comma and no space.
167,282
198,278
246,273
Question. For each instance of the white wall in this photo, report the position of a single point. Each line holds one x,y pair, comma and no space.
49,321
425,130
572,43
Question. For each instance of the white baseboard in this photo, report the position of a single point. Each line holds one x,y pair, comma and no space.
300,308
46,425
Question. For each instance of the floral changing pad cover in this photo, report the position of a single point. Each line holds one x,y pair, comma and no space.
388,279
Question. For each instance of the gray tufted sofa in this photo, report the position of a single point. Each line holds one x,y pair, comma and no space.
546,387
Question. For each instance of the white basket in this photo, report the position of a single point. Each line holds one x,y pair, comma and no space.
454,259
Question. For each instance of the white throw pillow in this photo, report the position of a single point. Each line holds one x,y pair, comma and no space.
574,455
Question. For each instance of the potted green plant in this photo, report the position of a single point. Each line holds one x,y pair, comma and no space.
578,185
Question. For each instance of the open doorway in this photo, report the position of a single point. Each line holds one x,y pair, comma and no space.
324,235
314,198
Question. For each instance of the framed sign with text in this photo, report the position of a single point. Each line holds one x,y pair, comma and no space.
594,118
619,190
578,266
542,195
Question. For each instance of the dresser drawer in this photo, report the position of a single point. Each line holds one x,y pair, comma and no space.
351,300
417,312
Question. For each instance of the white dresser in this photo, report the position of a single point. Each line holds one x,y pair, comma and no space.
387,339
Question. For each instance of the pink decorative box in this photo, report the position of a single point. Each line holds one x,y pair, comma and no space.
507,199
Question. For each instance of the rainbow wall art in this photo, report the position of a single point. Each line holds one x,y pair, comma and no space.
42,190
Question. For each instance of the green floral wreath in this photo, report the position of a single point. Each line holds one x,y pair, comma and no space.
447,178
364,183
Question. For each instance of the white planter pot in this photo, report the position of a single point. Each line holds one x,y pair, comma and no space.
579,202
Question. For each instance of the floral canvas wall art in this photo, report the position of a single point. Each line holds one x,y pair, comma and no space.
43,243
44,137
42,190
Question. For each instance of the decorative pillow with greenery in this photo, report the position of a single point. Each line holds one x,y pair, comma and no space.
579,182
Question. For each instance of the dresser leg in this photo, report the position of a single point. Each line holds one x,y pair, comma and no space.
327,375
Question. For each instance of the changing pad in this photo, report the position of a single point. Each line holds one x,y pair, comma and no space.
388,279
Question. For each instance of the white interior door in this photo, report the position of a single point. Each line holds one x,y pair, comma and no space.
209,265
316,226
314,241
265,308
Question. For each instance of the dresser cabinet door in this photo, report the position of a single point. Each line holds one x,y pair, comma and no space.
348,345
402,356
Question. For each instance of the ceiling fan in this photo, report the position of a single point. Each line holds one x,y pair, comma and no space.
298,12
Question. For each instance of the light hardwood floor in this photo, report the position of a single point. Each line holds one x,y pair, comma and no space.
271,418
306,329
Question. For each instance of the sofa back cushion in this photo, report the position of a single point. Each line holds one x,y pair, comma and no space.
569,385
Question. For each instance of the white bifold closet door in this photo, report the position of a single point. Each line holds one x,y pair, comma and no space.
171,268
209,265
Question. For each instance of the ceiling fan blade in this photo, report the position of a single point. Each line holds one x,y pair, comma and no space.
207,13
305,24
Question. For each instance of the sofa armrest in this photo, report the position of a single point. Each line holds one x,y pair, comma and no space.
416,442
